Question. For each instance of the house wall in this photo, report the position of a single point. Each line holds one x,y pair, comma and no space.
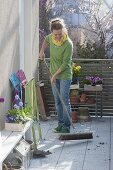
10,59
9,50
31,20
35,37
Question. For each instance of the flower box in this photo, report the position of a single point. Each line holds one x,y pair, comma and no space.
74,86
14,127
93,88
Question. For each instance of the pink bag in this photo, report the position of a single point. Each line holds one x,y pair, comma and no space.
21,75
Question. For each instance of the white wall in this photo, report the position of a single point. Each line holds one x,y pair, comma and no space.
35,36
9,50
18,49
28,38
31,37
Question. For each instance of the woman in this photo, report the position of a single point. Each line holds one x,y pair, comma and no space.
61,49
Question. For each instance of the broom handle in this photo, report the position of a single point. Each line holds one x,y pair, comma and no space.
60,97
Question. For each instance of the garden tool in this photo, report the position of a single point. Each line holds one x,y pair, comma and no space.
67,136
31,101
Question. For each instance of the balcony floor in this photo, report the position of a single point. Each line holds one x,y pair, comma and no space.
92,154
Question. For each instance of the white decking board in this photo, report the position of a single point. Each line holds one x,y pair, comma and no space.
97,155
10,140
4,135
50,142
9,144
92,154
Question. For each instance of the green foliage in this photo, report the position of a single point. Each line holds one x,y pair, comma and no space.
88,82
43,22
90,50
18,115
73,92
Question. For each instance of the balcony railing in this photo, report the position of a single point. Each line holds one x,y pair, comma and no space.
101,67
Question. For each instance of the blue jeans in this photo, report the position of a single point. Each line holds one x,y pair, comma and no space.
63,87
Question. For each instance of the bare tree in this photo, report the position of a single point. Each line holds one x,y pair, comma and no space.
95,28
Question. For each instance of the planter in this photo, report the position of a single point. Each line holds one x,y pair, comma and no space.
14,127
83,114
92,88
74,86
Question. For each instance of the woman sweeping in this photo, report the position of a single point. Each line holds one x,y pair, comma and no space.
61,50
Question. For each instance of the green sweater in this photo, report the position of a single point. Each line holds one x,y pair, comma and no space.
61,57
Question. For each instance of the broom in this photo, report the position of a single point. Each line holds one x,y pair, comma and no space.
66,136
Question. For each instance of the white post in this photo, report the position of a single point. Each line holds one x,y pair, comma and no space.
28,39
21,33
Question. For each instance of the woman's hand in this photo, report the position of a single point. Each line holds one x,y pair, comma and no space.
53,79
41,55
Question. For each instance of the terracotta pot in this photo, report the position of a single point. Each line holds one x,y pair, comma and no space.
74,116
74,99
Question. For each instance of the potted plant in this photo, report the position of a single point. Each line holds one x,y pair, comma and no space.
93,83
16,118
74,96
76,73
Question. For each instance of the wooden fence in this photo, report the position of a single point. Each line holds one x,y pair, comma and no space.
100,67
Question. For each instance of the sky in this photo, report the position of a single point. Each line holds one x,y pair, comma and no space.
105,7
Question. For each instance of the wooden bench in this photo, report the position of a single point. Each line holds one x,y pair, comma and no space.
10,139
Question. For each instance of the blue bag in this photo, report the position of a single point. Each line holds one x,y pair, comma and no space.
16,84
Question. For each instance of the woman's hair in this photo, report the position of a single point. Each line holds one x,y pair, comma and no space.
57,24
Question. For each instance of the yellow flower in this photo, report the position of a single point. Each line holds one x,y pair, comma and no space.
76,70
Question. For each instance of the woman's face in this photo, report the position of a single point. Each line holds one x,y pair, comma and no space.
58,34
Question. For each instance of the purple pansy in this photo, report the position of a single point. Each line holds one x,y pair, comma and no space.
21,104
94,80
10,118
16,107
17,97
